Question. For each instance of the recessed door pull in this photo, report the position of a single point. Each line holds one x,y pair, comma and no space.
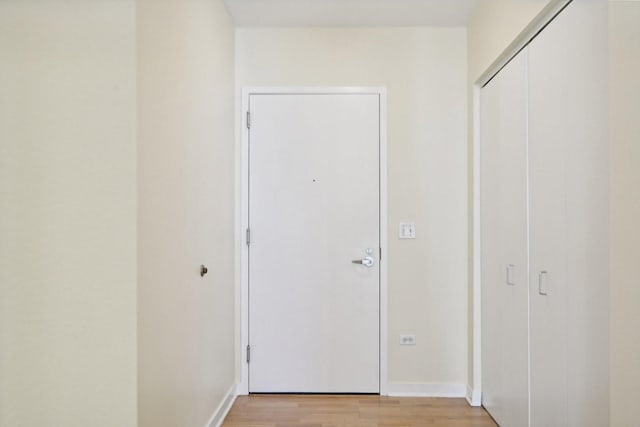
542,283
510,280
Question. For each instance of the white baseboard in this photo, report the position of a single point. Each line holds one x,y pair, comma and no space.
223,409
426,390
473,397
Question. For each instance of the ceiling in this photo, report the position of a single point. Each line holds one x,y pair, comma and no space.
359,13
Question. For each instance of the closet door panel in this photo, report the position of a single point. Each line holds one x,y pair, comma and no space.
512,218
492,283
569,218
504,241
548,219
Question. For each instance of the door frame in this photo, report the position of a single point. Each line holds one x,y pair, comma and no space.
243,220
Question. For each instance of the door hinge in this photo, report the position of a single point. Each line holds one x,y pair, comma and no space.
380,254
248,120
248,353
248,237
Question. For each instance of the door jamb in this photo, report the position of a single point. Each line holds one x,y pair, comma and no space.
242,268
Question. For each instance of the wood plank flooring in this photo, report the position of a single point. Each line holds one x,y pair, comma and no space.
347,411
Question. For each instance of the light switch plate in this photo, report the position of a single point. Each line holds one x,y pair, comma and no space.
407,230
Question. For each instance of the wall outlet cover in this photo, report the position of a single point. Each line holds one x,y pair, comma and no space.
407,340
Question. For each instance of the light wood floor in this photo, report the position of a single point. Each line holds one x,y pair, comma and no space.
361,411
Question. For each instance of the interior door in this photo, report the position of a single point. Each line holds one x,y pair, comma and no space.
505,284
314,174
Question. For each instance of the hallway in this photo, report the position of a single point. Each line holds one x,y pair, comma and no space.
354,410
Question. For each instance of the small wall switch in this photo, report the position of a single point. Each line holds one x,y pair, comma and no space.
407,340
407,230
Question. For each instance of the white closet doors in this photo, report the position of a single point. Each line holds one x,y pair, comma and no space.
505,291
568,116
544,205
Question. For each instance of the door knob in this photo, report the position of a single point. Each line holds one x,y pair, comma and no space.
366,261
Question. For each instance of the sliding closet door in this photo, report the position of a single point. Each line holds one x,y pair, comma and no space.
504,245
569,217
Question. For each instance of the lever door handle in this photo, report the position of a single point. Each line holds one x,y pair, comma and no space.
366,261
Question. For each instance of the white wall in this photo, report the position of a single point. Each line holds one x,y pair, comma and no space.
185,210
625,211
425,73
67,213
493,25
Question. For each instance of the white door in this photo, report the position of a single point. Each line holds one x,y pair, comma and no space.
549,279
569,219
314,174
505,284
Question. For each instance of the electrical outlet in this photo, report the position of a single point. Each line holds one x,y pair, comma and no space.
407,340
